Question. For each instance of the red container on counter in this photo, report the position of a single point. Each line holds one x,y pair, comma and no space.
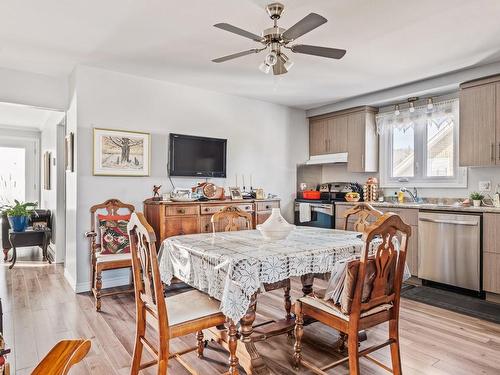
311,194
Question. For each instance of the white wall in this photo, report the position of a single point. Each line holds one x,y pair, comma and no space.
265,140
49,199
33,89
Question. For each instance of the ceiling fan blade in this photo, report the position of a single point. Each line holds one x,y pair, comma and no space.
236,55
306,24
237,30
332,53
279,67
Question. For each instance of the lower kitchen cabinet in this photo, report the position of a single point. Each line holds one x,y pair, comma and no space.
491,253
491,274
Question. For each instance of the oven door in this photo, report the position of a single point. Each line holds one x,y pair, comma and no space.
322,215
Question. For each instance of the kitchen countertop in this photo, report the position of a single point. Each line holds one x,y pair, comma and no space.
428,206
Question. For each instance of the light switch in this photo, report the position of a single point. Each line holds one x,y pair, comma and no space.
484,185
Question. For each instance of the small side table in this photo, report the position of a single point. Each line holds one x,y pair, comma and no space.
30,237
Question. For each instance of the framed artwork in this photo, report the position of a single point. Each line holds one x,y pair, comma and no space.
235,193
69,152
47,158
121,153
259,194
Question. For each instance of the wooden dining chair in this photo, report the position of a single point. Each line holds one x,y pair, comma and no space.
234,217
363,211
62,357
371,296
102,259
175,316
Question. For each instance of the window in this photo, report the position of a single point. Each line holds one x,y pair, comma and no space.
421,148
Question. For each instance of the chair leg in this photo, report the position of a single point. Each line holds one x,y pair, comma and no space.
138,345
5,254
201,344
98,286
233,343
395,352
299,332
353,349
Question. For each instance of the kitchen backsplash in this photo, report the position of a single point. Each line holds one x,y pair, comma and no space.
338,172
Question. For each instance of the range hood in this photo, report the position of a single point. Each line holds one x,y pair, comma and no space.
341,157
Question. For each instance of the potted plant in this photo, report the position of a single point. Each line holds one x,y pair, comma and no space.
476,199
18,214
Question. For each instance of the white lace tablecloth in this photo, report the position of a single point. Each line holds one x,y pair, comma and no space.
232,266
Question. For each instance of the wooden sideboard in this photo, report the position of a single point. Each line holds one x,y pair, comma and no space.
176,218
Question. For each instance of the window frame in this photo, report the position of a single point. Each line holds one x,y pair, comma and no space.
420,178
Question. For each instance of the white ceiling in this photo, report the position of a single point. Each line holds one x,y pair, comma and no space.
15,115
389,42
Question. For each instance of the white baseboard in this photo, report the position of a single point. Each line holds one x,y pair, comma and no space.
106,283
70,279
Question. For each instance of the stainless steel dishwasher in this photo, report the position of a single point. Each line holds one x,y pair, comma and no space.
449,249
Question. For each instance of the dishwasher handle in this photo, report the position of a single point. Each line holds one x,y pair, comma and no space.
453,222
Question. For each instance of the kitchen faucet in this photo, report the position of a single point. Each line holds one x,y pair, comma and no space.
414,195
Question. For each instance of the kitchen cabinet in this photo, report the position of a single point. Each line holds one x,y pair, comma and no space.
479,140
352,131
408,215
491,253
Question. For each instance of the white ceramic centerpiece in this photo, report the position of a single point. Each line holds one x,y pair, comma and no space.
275,227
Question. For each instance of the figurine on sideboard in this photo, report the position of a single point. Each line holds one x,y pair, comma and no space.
156,193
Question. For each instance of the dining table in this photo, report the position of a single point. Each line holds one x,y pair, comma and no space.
234,267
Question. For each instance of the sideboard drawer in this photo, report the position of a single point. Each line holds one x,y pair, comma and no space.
210,209
178,210
266,206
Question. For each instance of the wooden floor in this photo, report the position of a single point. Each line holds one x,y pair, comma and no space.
40,309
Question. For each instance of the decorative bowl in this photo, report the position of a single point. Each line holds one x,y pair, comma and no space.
281,234
352,197
275,227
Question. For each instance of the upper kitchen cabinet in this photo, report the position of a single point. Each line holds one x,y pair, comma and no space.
328,135
479,141
350,131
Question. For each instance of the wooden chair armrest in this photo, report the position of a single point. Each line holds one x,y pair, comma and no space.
91,234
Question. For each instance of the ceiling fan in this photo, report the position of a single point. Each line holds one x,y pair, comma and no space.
276,39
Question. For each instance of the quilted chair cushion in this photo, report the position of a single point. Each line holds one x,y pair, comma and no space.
114,236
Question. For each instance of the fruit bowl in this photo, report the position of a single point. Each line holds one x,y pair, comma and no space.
352,197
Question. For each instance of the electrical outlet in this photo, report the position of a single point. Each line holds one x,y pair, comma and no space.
484,185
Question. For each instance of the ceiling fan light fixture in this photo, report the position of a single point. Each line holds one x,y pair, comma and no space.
412,107
271,58
430,104
396,110
265,68
287,63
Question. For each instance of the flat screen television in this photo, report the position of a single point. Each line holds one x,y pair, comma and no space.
193,156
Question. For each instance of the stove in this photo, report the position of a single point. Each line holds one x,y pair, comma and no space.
322,211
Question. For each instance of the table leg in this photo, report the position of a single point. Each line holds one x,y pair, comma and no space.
46,240
257,364
307,283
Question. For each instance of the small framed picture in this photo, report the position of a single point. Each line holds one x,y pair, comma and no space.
235,193
39,225
259,194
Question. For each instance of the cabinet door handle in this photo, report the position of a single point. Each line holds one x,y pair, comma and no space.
181,211
268,207
207,209
247,208
492,152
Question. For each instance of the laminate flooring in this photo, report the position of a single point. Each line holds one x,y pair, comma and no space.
40,308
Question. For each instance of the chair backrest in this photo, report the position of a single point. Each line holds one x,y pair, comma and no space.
233,215
389,264
111,207
62,357
363,211
147,282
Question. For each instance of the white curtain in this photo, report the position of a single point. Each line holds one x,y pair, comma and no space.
441,113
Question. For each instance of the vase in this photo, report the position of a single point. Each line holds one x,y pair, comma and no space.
476,203
18,223
275,227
